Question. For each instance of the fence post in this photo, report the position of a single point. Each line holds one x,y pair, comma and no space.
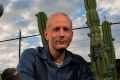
20,38
1,8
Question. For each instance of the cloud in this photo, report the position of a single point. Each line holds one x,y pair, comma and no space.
33,26
10,59
105,5
109,9
8,54
49,7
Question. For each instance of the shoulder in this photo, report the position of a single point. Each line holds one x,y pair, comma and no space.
30,53
27,56
77,58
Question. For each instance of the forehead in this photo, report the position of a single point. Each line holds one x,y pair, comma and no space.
59,18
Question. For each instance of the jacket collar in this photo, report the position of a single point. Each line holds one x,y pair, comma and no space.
43,53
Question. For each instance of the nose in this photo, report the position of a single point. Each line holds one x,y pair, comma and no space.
62,33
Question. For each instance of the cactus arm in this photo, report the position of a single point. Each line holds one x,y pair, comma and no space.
109,48
90,4
42,18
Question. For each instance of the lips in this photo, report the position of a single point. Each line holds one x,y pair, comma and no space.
61,41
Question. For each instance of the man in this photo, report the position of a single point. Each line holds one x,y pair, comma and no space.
54,62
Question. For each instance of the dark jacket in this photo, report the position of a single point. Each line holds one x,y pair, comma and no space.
32,67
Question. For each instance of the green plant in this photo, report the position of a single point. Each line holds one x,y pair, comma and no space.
42,18
102,52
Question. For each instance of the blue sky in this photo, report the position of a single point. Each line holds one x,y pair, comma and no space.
20,14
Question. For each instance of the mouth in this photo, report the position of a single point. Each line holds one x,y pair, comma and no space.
61,42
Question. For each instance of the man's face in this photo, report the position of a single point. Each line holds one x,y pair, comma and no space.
59,32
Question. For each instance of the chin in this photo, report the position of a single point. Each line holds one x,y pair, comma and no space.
62,47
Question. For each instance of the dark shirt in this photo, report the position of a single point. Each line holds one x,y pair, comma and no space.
38,64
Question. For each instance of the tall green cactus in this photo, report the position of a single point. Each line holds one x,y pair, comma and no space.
93,23
42,18
109,48
101,63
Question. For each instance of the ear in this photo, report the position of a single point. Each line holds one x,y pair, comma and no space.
46,34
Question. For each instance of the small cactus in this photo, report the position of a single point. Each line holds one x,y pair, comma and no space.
108,40
42,18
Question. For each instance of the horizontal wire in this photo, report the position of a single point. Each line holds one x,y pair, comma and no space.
39,34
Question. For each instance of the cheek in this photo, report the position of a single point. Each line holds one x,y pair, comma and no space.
48,36
70,36
52,37
70,39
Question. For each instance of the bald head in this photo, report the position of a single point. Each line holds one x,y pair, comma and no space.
58,32
57,15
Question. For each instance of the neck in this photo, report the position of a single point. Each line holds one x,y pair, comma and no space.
58,55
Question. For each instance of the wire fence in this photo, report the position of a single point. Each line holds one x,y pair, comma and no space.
20,37
76,46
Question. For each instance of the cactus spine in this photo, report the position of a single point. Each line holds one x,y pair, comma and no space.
102,66
42,18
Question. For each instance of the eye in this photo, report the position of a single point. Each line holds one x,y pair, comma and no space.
66,29
56,29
